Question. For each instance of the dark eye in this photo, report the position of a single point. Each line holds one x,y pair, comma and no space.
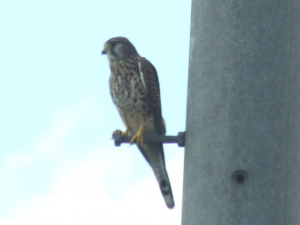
113,44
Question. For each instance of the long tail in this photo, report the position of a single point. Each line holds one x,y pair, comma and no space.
154,154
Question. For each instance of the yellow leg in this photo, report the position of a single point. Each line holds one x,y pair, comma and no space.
125,133
138,138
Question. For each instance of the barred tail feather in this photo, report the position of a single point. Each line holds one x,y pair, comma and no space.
155,156
165,187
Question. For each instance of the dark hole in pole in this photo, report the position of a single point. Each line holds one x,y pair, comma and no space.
240,177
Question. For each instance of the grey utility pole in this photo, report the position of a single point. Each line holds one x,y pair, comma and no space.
242,159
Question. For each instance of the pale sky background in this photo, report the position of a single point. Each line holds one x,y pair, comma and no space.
58,164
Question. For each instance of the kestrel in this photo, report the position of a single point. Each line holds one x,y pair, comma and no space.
134,89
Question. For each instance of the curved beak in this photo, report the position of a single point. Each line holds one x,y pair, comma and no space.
105,48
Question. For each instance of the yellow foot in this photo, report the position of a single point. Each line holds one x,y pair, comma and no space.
138,138
123,133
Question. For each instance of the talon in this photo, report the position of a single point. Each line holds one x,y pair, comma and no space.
125,133
138,138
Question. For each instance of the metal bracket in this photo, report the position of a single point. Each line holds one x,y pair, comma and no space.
179,139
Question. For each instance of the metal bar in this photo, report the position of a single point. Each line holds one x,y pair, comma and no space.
242,156
179,139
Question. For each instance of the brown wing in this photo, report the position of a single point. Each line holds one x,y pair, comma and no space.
150,80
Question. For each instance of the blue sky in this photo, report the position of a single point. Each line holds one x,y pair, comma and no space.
58,164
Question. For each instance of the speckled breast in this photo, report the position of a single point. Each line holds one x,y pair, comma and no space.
128,92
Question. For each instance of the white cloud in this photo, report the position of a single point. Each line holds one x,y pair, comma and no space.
64,123
79,198
47,151
107,185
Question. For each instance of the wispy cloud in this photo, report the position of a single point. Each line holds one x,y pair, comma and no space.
58,182
23,174
79,198
64,123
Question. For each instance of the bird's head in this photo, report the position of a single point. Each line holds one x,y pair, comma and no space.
119,48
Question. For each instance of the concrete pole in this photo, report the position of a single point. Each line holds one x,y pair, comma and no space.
242,159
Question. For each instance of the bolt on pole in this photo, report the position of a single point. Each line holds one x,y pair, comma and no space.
242,157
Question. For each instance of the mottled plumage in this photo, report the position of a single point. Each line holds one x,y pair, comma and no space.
134,88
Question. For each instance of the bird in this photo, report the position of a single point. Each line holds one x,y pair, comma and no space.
134,88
